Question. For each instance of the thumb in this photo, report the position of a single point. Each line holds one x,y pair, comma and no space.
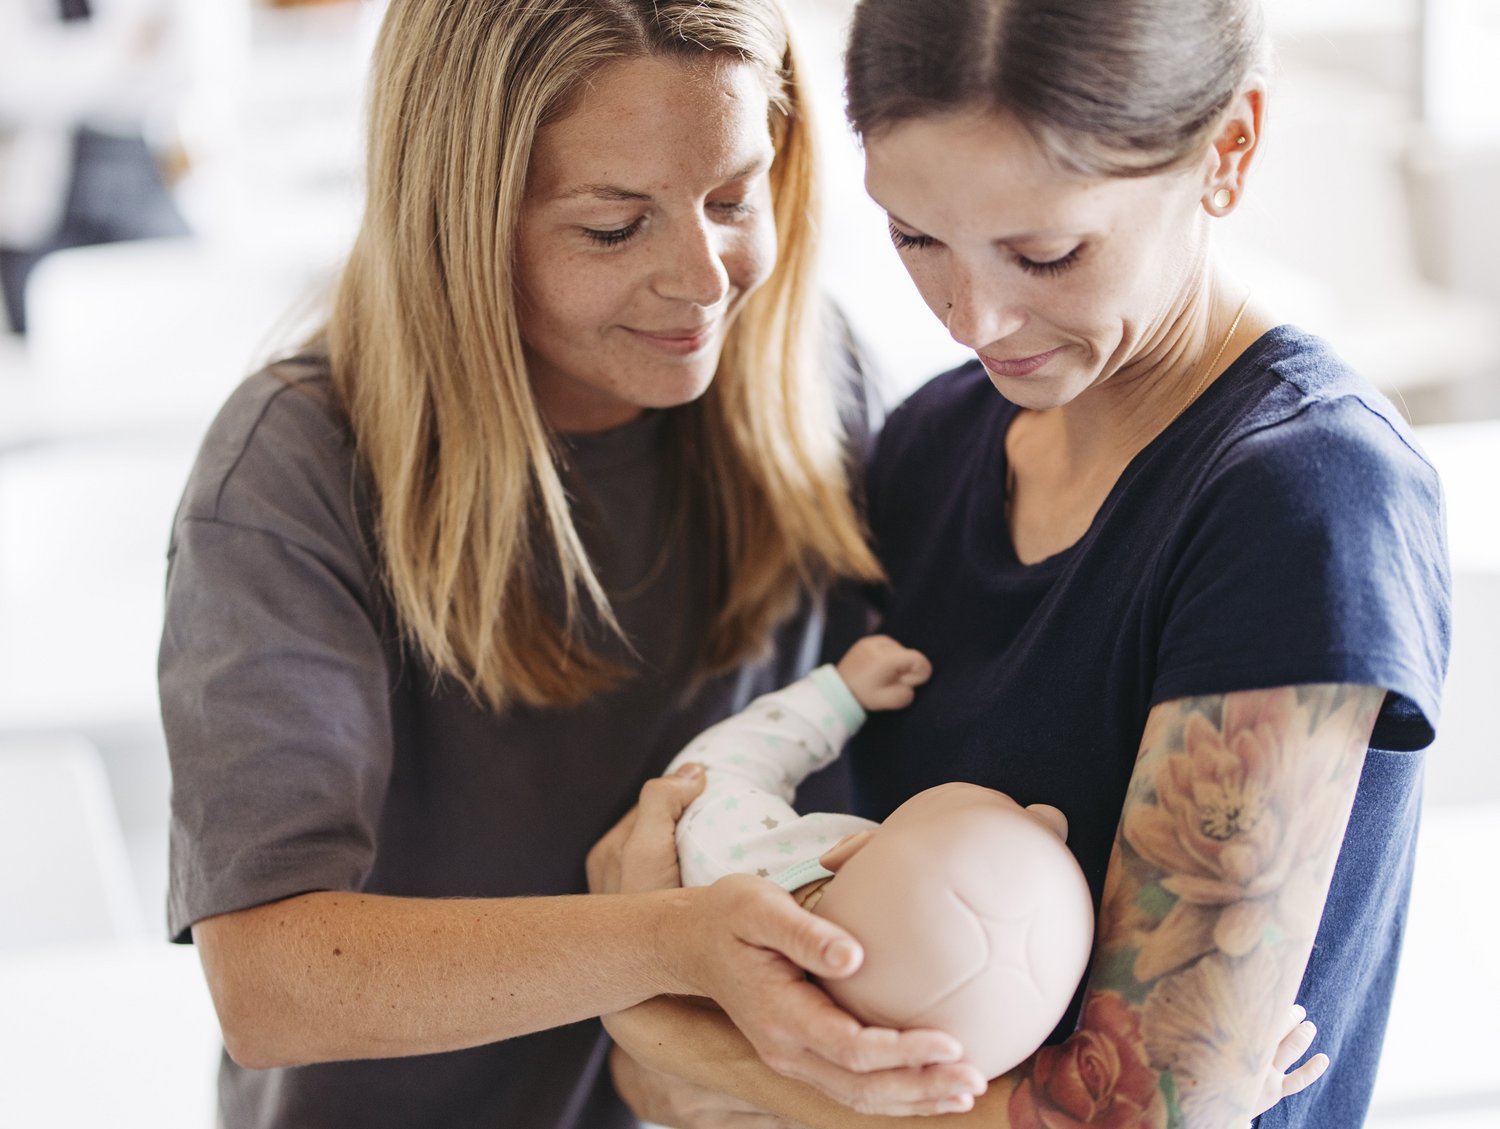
663,800
810,942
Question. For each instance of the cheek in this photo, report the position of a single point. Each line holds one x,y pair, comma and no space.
560,296
751,256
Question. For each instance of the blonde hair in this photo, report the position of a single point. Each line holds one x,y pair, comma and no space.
473,522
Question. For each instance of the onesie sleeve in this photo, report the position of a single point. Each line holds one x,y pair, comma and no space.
274,683
1314,553
743,821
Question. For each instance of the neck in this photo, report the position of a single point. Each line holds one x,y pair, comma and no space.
1144,394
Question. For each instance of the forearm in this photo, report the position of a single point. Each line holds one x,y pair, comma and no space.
699,1044
1226,847
330,976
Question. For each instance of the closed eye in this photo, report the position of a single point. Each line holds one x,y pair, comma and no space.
907,242
1051,266
614,236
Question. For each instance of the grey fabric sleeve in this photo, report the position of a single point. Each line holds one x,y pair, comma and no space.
274,682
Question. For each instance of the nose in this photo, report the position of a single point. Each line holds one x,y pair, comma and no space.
693,266
985,309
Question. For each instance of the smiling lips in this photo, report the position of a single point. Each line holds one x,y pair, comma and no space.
1020,366
680,342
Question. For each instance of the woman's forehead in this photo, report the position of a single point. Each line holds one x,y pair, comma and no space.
986,170
641,125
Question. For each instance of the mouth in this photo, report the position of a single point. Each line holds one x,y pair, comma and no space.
682,341
1018,366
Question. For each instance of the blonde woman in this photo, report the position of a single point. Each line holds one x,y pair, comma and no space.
556,487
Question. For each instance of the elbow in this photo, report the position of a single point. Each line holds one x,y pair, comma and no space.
252,1037
258,1032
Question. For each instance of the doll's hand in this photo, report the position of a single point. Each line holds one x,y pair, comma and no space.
882,674
1282,1082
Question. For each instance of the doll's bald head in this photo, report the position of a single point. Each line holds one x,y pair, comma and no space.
974,917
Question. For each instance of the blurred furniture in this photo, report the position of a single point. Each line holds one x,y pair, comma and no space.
66,877
118,1035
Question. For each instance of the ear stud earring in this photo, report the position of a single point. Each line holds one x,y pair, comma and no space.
1242,140
1223,198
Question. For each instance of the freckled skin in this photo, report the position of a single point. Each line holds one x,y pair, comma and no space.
994,202
683,148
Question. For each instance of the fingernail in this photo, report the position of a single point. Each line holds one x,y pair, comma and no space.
841,953
961,1104
688,770
1300,1012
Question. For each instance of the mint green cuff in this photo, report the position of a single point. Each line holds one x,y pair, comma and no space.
800,874
839,696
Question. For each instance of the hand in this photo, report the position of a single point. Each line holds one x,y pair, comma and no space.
745,943
638,854
678,1104
1282,1082
882,674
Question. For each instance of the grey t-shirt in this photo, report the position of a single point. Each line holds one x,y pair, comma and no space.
311,752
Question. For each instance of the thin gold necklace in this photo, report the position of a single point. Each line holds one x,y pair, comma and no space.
1213,364
1010,467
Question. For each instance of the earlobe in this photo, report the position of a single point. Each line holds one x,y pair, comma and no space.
1234,151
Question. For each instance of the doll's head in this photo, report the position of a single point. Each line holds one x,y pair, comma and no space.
974,916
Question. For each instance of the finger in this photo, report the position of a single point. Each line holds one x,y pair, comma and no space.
907,1092
664,799
1304,1076
1293,1045
774,921
844,850
602,864
918,669
807,1025
648,858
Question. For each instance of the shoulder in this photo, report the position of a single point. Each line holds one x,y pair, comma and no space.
950,403
278,459
1311,433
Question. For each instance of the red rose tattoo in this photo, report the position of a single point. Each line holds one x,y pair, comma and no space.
1099,1077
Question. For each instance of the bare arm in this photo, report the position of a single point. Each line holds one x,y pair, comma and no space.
1226,848
329,976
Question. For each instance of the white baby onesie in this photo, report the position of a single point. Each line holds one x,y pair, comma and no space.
744,822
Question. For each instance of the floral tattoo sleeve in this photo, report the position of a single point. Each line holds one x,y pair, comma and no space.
1226,847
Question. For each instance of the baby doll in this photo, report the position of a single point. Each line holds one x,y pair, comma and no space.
973,914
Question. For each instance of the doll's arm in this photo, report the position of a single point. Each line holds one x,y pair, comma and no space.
1223,858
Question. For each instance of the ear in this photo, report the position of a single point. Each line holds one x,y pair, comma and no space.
844,850
1235,148
1049,817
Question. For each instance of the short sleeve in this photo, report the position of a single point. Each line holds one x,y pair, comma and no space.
274,683
1314,553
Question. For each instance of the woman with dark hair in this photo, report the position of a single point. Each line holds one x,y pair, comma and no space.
1180,572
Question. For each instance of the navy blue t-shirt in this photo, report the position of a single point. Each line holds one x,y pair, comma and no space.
1284,530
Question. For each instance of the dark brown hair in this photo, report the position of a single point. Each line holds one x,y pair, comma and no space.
1109,87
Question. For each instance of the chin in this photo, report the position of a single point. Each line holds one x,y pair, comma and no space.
676,389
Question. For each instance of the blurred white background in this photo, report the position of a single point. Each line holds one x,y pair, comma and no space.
1373,221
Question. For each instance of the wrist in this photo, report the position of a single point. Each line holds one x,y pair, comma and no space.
670,949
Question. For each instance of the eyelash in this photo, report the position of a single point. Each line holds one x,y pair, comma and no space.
618,236
905,242
1053,266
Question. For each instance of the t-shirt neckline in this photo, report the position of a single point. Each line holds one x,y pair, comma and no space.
1055,562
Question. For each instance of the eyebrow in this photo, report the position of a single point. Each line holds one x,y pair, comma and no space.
614,193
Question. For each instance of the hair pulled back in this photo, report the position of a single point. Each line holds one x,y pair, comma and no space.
1109,87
